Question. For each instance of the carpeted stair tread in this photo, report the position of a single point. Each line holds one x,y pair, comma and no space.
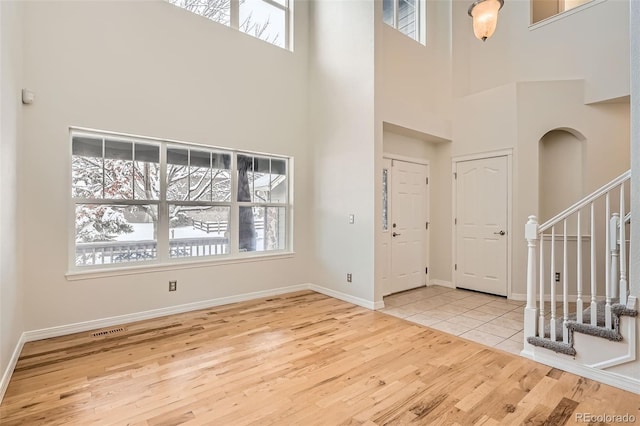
559,347
621,310
591,330
599,330
585,327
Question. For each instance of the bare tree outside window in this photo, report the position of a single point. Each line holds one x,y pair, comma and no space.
256,17
217,10
247,228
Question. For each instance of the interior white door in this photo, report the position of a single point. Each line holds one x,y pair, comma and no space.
481,225
408,225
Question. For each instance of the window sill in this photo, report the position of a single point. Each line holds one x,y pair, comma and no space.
160,267
564,14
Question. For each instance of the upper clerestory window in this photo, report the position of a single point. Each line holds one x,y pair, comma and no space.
544,10
407,16
268,20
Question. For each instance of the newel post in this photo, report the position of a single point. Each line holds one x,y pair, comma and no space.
530,312
531,235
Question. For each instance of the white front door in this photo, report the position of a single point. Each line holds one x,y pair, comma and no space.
481,225
408,229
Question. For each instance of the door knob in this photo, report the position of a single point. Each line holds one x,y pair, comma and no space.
395,234
499,233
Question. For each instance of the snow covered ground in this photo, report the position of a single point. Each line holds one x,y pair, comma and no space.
144,232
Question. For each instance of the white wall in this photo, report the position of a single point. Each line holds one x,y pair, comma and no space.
517,116
11,302
414,89
342,131
485,121
592,44
152,69
560,172
441,215
634,282
407,146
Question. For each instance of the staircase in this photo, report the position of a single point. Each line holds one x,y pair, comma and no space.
579,315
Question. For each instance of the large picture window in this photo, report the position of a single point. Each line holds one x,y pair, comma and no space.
268,20
145,200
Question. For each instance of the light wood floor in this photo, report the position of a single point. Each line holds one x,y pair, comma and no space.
296,359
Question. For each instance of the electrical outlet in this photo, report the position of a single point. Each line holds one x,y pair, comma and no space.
557,277
173,285
349,277
352,219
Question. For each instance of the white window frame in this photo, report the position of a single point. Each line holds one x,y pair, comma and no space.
287,8
255,203
234,16
200,203
163,258
421,20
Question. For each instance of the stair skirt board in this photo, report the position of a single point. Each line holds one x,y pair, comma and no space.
585,327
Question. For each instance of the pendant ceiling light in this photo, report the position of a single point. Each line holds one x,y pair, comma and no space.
485,17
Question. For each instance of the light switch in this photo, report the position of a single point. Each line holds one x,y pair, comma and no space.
352,219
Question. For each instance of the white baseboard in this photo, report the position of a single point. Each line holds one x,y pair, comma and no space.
8,372
63,330
347,297
442,283
519,297
623,382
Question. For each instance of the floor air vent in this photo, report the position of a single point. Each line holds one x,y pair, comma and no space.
102,333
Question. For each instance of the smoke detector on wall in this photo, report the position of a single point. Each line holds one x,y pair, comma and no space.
27,97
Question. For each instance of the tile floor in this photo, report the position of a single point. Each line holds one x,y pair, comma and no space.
483,318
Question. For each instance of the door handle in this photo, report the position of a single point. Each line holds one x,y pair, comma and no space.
395,234
499,233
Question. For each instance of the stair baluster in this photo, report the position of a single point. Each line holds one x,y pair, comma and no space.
614,224
541,277
624,287
553,284
579,306
607,264
594,303
565,285
531,234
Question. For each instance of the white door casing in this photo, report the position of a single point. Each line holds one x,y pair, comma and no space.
481,225
408,225
384,253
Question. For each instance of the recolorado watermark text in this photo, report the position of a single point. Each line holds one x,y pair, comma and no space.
605,418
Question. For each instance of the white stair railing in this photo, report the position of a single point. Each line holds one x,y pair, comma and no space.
606,249
619,228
